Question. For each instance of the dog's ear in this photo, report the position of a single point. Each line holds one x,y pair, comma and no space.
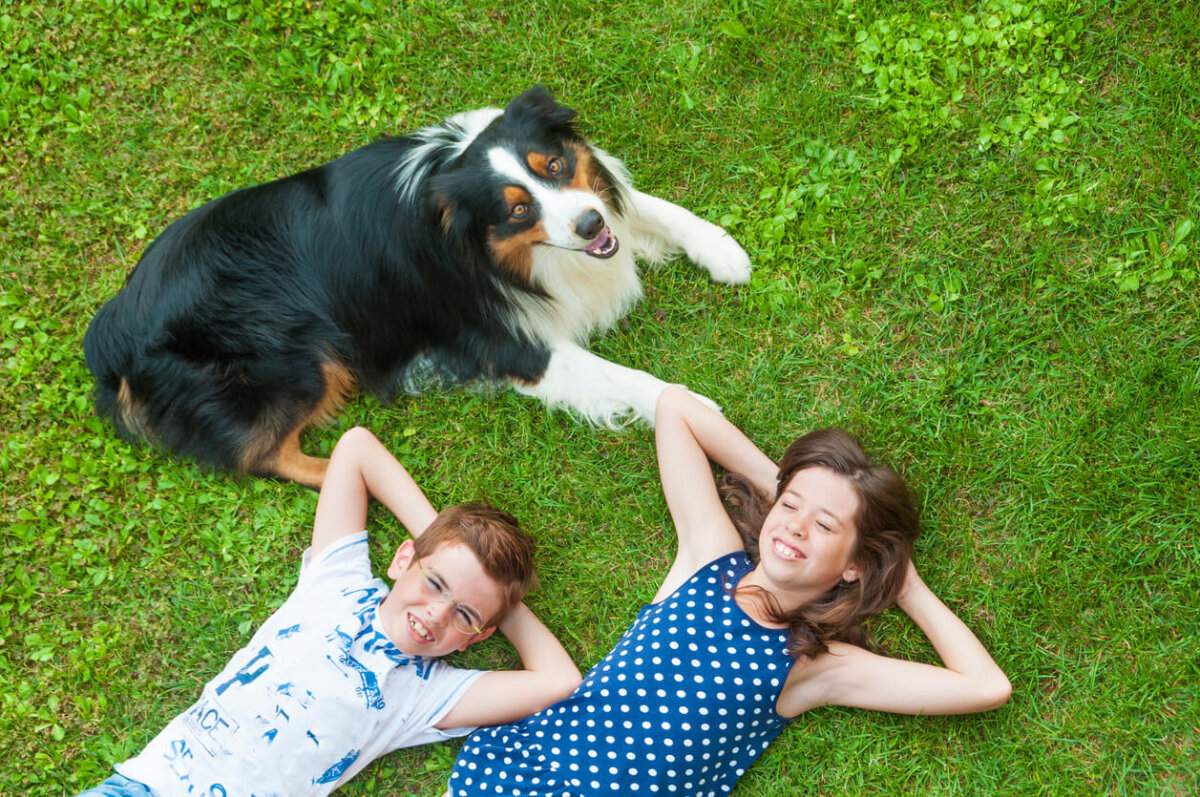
538,105
445,202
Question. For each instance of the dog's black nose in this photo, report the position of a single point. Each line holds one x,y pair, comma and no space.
589,225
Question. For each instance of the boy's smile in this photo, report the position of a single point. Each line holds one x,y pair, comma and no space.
439,601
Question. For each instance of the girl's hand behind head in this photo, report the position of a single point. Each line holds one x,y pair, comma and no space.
912,582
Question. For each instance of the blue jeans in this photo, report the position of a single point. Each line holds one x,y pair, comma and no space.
120,786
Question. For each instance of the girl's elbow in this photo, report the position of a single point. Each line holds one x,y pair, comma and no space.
668,402
566,684
571,682
997,692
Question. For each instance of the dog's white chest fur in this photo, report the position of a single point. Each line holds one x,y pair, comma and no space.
586,295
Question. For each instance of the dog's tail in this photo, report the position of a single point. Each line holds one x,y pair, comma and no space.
109,356
241,411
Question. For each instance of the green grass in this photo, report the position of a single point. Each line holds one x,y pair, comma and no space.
981,261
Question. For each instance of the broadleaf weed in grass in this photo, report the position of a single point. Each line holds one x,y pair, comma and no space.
800,199
924,67
1062,197
1151,260
1006,70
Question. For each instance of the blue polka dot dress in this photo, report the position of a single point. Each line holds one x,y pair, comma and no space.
682,706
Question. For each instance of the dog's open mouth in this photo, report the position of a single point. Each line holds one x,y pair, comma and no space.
605,245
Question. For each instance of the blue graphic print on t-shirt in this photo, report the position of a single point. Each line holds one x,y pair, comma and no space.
332,774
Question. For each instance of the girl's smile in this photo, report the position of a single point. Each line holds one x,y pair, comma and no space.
785,551
808,538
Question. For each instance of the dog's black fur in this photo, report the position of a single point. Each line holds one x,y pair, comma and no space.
258,313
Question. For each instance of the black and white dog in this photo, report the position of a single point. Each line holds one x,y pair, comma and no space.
486,247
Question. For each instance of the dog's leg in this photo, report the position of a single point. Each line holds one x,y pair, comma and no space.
294,465
267,455
660,228
601,391
287,460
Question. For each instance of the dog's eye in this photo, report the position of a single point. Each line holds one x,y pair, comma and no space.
555,165
519,211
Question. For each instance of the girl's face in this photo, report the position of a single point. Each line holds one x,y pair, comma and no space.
808,537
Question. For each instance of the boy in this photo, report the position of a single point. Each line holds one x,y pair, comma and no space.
347,670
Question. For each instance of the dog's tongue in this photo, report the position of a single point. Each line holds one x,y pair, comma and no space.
600,242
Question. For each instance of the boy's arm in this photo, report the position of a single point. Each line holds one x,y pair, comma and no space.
688,435
361,468
969,681
504,696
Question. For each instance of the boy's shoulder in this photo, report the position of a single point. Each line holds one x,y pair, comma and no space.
348,556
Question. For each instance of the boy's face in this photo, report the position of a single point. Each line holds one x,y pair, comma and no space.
417,615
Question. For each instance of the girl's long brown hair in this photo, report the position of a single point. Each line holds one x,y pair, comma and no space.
886,525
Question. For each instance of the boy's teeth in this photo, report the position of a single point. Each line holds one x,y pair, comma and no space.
412,622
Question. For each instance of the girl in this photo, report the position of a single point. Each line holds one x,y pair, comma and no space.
758,620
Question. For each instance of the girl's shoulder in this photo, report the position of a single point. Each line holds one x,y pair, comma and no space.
814,681
690,564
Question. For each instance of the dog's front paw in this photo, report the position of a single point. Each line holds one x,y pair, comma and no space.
722,257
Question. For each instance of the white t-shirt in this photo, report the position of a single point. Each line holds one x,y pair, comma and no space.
318,694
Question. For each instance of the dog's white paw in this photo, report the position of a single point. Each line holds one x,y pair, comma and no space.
722,257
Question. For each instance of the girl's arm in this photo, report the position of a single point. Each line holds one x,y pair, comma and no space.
361,468
504,696
969,681
687,436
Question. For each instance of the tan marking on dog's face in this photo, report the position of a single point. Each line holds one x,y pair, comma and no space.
588,176
514,252
518,203
548,167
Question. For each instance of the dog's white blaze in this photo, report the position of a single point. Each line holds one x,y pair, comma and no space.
560,208
473,123
586,294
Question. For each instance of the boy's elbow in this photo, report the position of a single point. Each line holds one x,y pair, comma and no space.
359,432
354,436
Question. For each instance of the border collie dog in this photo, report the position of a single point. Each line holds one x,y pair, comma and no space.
488,247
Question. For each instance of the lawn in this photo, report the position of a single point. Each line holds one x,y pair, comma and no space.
973,230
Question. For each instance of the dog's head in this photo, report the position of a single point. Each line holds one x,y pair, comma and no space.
529,180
